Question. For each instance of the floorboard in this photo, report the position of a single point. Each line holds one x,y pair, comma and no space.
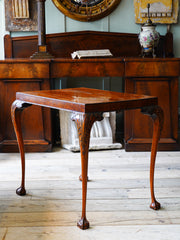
118,196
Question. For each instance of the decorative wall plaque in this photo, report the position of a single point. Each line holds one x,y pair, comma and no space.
161,11
86,10
21,15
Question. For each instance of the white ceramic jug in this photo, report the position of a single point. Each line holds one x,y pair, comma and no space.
148,38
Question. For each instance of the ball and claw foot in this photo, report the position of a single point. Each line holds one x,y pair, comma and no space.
155,205
21,191
83,223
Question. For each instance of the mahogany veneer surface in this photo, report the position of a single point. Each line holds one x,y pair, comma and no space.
158,77
86,100
23,75
61,45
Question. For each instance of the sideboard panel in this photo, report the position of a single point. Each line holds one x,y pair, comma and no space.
155,77
36,123
138,129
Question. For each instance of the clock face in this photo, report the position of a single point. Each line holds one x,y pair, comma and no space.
86,10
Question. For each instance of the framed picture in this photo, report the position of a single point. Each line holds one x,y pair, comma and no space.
86,10
21,15
161,11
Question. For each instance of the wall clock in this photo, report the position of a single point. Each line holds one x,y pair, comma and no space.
86,10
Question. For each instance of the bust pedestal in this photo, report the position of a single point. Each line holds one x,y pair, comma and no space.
102,133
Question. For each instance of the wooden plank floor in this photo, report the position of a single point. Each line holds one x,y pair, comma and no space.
118,196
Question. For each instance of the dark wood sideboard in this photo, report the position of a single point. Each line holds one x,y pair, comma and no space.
158,77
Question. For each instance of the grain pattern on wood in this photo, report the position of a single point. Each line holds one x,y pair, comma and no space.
100,232
61,45
17,75
147,75
38,216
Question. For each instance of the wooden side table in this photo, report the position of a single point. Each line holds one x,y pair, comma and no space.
88,106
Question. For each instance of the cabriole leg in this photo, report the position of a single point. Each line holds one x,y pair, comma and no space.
157,115
84,124
16,110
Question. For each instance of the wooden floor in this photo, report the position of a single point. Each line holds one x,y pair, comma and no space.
118,197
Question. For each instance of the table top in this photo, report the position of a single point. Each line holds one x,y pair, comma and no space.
86,100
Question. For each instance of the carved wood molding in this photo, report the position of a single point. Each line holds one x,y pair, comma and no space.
21,15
